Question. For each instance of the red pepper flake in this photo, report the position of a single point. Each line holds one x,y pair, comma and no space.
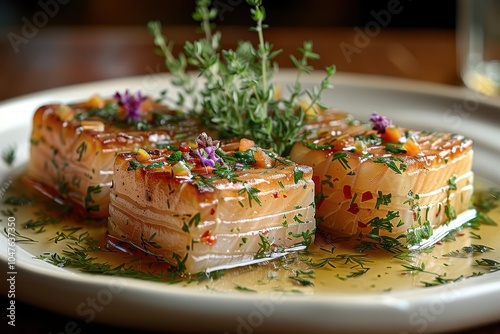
347,192
361,224
336,179
184,149
212,211
354,208
367,195
208,239
285,196
275,195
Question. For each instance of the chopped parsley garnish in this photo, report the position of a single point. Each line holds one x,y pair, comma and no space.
297,175
394,148
176,156
316,146
415,235
452,183
303,277
134,164
157,164
251,192
341,157
371,139
264,247
91,191
108,111
382,199
391,163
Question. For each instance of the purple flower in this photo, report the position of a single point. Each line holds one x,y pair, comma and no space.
131,104
380,123
206,151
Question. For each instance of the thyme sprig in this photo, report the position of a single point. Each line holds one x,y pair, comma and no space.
238,95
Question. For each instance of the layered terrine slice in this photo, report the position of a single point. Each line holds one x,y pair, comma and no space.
377,179
202,208
73,146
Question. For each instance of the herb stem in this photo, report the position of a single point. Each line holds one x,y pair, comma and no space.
260,33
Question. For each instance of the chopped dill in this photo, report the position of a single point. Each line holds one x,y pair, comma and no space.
239,96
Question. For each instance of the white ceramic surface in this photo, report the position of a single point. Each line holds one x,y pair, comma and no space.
149,305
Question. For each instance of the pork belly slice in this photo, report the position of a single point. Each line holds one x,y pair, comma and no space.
401,182
202,218
73,146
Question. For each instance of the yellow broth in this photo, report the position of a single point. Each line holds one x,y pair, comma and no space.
49,231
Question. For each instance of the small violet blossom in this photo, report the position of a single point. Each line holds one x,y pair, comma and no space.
206,151
211,158
380,123
131,104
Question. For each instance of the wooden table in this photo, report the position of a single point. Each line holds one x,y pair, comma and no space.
59,57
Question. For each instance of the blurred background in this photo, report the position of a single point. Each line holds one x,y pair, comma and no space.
318,13
51,43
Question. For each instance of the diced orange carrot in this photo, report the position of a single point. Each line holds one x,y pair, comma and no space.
245,144
202,169
262,160
147,105
392,134
95,101
411,146
342,142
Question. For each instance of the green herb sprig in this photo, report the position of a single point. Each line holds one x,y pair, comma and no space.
237,96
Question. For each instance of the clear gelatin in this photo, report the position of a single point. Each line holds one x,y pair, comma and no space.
396,182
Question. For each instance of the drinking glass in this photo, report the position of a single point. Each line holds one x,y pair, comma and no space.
478,42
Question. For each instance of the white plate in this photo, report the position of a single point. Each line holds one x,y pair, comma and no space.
149,305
